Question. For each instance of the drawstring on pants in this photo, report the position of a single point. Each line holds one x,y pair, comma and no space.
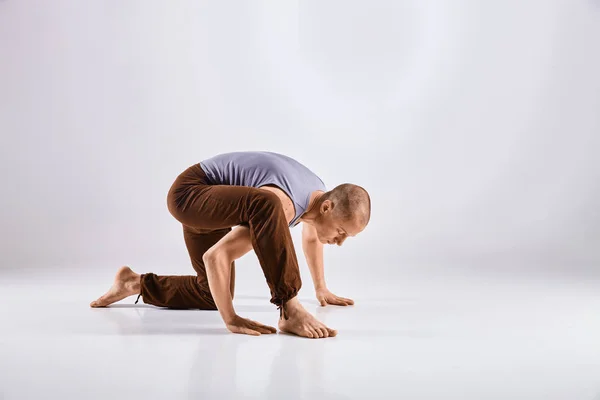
282,313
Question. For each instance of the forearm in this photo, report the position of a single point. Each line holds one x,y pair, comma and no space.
218,272
313,251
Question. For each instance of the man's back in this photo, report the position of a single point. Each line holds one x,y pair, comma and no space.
261,168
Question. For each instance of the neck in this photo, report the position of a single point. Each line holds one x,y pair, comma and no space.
312,211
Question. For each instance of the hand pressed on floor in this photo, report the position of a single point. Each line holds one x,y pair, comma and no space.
326,297
248,327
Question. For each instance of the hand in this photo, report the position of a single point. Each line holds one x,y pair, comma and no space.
326,297
248,327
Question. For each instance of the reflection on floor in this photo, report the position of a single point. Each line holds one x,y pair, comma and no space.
421,339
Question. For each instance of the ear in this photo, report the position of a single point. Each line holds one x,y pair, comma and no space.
326,206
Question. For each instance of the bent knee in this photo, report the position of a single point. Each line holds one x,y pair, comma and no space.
173,204
267,199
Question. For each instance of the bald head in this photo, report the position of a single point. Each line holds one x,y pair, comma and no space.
350,202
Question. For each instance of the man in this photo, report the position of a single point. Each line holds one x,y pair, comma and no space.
261,194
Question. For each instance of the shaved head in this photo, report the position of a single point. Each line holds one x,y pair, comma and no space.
350,202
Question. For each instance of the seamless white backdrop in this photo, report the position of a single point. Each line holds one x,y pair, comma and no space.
474,125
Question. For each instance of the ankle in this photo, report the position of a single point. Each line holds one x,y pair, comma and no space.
292,306
135,283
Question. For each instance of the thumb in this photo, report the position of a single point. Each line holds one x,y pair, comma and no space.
323,302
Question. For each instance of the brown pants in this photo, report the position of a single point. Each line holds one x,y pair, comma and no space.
207,213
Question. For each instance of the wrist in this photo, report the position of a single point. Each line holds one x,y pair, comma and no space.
229,320
320,287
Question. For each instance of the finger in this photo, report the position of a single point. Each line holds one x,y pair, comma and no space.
255,325
337,301
248,331
262,328
323,302
270,329
344,300
349,301
265,330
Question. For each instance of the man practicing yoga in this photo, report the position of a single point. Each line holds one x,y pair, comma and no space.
262,194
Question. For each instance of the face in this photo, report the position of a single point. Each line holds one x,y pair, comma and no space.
332,230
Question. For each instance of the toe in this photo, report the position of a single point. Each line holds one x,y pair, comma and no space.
96,303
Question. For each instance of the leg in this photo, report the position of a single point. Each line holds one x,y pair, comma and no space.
197,242
179,292
217,260
126,283
186,291
194,202
174,291
220,206
197,203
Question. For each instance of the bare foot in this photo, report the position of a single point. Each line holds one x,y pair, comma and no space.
300,322
127,283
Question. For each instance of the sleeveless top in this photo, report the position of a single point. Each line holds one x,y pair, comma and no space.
260,168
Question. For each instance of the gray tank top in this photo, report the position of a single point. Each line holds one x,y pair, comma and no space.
260,168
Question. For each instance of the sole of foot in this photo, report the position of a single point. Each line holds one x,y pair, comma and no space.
126,284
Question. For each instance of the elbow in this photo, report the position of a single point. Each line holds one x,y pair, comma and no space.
213,258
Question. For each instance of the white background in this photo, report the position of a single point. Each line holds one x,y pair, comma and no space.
474,125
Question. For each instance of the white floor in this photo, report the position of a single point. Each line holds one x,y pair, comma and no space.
451,338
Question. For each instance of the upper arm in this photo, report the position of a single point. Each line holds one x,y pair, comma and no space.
233,245
309,233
